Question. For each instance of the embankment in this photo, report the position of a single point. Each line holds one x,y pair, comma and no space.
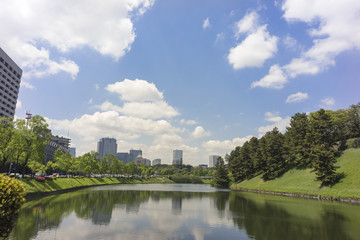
36,189
302,183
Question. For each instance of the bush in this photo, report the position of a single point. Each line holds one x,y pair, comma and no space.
178,178
12,195
353,143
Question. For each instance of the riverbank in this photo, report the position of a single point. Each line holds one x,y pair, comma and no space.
301,183
61,185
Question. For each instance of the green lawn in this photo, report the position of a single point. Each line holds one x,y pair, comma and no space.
33,186
302,180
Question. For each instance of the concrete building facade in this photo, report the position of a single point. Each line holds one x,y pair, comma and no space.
72,151
139,160
10,77
213,160
177,157
106,146
133,154
56,142
123,156
156,161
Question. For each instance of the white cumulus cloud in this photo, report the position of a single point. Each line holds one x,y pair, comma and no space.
188,122
136,90
200,132
327,102
276,121
248,24
297,97
225,146
105,26
276,79
256,48
142,99
206,23
18,104
332,33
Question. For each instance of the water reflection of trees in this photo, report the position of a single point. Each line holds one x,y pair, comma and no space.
261,219
97,206
265,220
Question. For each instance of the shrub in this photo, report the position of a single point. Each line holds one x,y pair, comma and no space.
178,178
353,143
12,195
195,179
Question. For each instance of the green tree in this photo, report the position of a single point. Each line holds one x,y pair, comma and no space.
6,134
323,163
295,140
117,167
233,160
131,168
36,167
321,138
221,175
88,163
352,124
260,156
64,161
32,137
274,155
320,129
105,163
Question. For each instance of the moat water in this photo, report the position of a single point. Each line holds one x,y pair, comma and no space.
183,211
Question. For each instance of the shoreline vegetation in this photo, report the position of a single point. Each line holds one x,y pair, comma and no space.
301,182
298,183
35,189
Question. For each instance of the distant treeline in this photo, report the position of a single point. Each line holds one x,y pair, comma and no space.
22,150
311,141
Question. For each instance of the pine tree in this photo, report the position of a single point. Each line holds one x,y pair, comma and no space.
221,174
275,162
322,153
234,164
295,140
323,163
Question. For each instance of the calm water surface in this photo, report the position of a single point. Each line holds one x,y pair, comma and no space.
183,211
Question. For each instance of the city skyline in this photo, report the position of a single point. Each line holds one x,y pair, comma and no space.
199,76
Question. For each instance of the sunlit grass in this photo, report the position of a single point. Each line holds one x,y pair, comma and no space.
33,186
302,180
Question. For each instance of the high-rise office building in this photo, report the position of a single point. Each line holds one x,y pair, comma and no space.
213,160
123,156
133,154
106,146
56,142
156,161
177,157
10,75
72,151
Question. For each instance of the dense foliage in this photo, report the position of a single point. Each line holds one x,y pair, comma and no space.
22,143
311,141
221,178
11,198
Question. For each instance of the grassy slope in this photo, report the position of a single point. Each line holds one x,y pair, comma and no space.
302,180
33,186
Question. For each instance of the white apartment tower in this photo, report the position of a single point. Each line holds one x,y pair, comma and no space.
106,146
10,75
213,160
177,157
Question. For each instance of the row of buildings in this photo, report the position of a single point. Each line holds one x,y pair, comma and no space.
108,145
10,78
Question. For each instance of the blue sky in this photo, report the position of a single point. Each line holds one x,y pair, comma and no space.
201,76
